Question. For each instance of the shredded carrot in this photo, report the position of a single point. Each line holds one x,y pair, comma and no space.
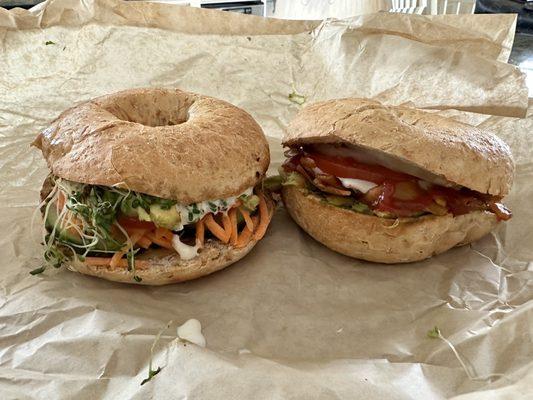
95,261
144,242
216,229
115,260
264,218
246,235
134,231
163,233
233,219
200,232
246,215
163,242
226,223
61,199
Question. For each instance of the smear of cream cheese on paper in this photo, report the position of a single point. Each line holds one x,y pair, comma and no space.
191,331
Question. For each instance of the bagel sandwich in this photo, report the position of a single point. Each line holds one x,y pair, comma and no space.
392,184
153,186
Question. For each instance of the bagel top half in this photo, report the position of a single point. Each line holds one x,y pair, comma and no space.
420,142
162,142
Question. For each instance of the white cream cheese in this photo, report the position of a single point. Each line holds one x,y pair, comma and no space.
372,156
191,331
185,251
192,213
357,184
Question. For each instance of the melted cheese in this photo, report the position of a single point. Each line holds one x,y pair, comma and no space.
357,184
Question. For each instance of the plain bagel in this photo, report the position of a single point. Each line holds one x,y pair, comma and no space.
149,141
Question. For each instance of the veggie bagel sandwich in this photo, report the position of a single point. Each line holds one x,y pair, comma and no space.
153,186
392,184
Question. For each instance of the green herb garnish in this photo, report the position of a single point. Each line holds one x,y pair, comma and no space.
37,271
297,98
434,333
49,42
151,374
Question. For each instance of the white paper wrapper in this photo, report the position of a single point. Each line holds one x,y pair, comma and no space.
292,319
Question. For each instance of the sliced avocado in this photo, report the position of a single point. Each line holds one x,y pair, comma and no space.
63,234
250,202
126,207
294,179
164,218
384,214
143,215
71,236
273,183
339,201
361,208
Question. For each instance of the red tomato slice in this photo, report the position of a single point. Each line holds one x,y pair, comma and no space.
403,208
344,167
132,223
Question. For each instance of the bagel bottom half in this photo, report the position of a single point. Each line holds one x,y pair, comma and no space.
165,266
379,239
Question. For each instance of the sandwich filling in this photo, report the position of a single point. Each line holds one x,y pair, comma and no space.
100,225
345,178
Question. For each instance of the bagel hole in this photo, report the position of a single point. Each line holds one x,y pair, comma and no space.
149,110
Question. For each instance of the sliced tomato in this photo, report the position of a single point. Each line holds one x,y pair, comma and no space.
388,202
132,223
344,167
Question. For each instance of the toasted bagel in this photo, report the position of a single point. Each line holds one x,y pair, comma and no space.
383,240
163,142
461,154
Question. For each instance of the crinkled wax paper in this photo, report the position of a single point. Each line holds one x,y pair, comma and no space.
293,319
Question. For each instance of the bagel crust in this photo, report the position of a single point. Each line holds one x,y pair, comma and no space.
460,153
163,142
167,267
383,240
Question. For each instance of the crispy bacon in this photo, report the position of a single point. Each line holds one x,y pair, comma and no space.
502,212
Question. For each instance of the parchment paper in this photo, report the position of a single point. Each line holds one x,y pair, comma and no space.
293,319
